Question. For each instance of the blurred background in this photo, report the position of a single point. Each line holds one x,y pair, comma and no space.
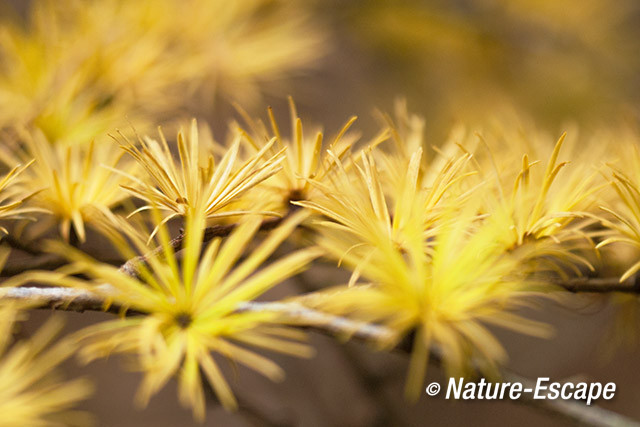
556,63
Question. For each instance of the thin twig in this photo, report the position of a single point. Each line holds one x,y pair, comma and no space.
69,299
131,266
56,298
601,285
304,317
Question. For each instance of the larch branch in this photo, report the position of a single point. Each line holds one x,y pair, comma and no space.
299,316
